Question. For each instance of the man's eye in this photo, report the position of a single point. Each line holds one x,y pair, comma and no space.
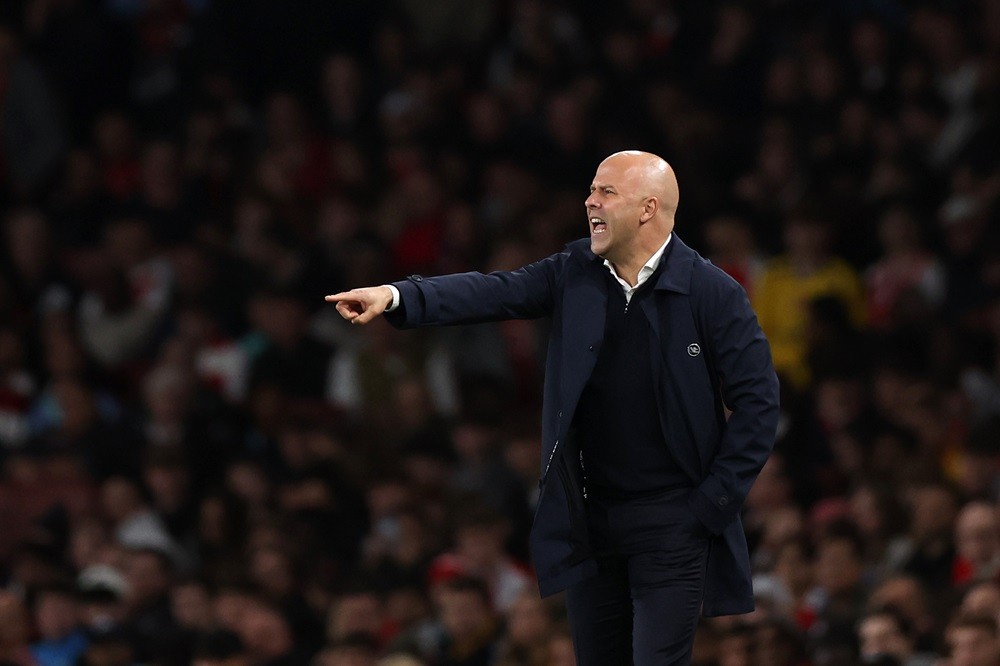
607,191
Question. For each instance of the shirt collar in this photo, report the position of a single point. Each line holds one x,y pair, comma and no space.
647,269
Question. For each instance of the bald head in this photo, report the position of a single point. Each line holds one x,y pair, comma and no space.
651,175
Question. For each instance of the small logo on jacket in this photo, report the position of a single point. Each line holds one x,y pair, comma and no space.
694,349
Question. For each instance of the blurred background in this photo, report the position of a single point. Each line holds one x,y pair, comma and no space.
202,464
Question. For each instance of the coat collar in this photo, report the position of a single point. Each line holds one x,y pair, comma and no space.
676,273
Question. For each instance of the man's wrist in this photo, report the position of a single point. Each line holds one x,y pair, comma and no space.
393,298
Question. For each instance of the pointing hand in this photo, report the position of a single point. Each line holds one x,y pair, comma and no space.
360,306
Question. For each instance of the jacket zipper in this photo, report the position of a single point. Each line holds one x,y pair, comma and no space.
545,473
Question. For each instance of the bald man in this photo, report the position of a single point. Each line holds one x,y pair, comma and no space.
642,475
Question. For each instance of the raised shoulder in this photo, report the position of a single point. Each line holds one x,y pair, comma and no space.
579,249
708,280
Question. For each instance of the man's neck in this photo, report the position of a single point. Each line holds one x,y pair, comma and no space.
628,270
630,274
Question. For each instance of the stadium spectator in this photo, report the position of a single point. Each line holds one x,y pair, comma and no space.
973,640
885,634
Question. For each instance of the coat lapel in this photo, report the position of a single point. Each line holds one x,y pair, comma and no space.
674,277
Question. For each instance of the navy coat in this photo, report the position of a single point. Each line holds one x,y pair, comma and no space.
712,356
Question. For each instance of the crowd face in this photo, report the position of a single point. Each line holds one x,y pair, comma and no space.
55,615
983,599
881,635
192,606
266,633
355,613
977,536
973,646
148,577
464,612
838,568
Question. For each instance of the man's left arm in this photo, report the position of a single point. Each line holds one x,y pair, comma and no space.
742,359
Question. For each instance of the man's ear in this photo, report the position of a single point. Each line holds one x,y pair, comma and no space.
649,209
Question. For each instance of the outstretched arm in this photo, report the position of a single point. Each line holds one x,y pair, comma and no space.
360,306
461,298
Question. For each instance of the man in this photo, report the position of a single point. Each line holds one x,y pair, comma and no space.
977,543
884,634
642,475
61,639
973,640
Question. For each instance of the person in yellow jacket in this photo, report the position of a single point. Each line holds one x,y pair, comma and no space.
782,294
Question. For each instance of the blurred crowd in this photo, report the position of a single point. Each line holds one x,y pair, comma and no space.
201,464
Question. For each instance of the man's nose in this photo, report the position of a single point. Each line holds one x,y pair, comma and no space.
591,203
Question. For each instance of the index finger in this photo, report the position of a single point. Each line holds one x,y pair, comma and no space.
342,296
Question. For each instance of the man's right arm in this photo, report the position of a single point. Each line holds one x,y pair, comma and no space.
462,298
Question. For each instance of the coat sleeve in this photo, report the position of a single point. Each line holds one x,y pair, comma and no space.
742,360
469,298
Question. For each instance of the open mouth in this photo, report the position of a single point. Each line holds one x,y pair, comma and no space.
597,225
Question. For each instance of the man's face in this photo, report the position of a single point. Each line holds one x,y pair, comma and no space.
976,535
837,566
147,577
463,613
879,634
55,616
983,599
971,646
613,210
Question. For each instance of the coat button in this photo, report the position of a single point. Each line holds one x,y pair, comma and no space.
417,278
723,501
560,413
591,348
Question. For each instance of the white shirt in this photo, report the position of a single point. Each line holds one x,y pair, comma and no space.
647,269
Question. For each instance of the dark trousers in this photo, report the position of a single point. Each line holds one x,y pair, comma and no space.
643,606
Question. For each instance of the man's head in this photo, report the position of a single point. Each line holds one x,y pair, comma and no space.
56,613
479,539
884,631
631,206
266,632
840,560
907,596
149,573
355,612
973,640
465,608
977,534
934,509
982,599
